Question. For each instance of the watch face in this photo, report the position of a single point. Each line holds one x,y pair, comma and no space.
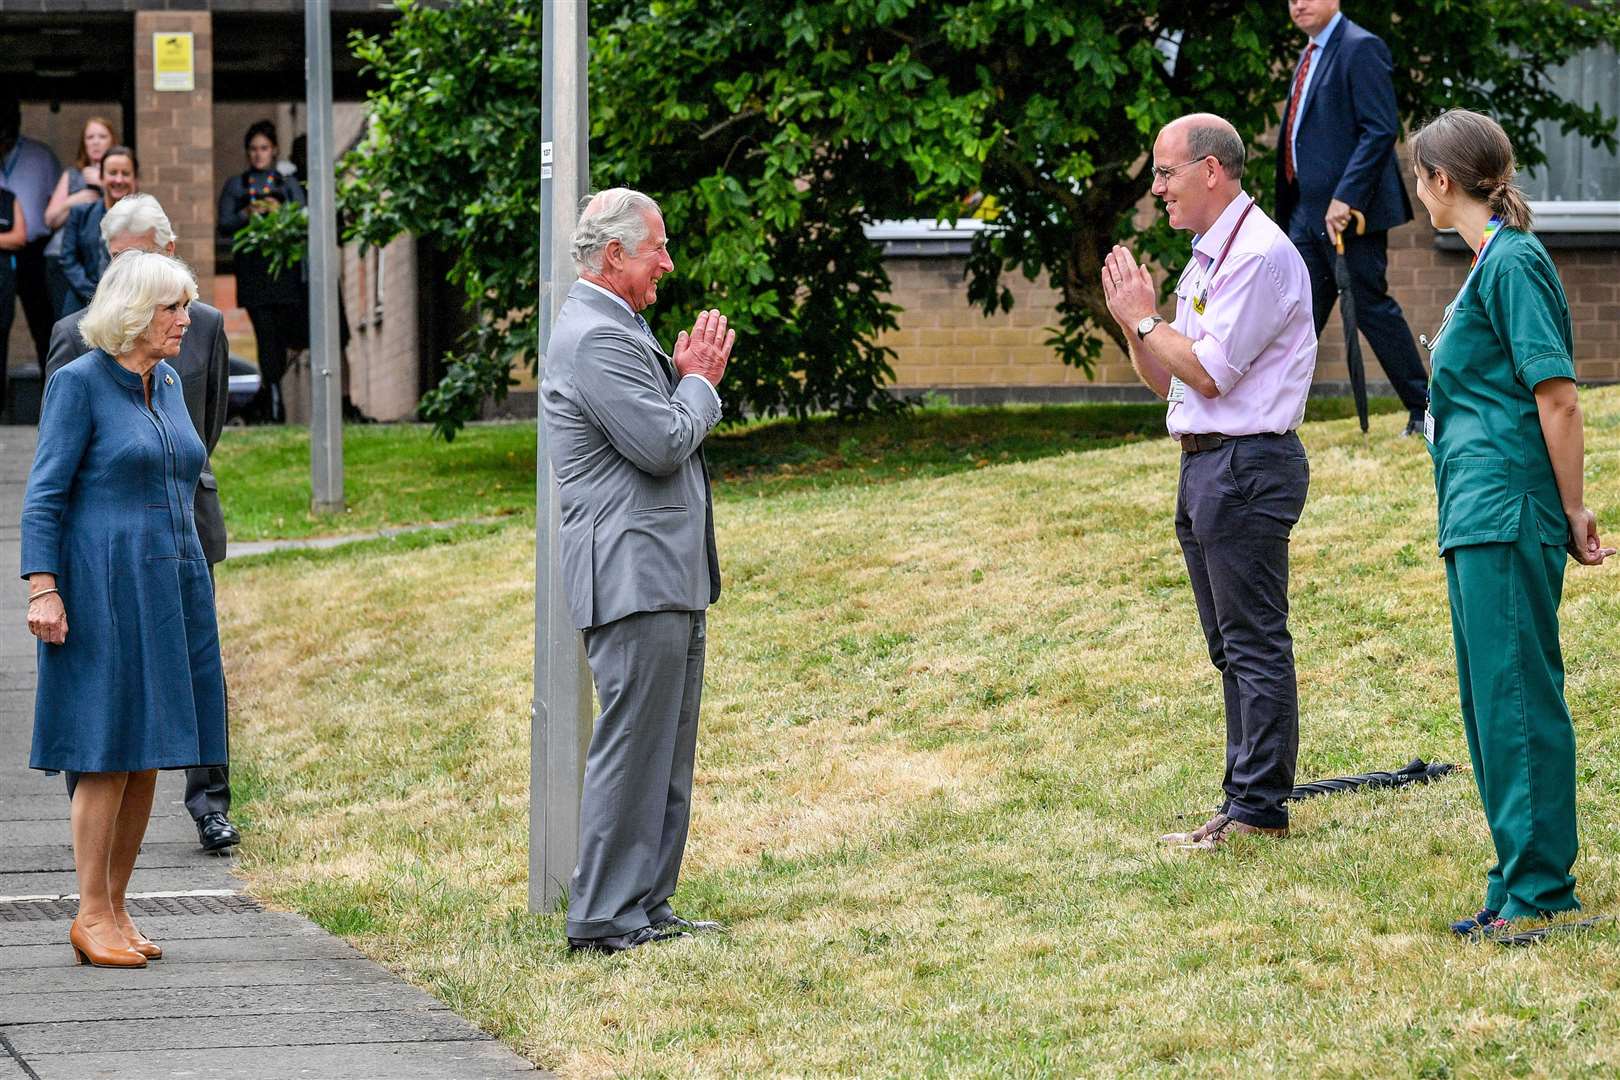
1147,324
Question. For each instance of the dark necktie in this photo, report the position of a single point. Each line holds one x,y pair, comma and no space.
1293,111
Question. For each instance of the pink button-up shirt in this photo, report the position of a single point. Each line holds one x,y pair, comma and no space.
1256,337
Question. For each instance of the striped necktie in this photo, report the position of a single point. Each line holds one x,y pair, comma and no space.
1293,111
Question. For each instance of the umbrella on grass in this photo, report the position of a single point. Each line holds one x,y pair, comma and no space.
1347,312
1417,771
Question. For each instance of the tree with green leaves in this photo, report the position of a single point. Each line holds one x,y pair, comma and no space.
772,132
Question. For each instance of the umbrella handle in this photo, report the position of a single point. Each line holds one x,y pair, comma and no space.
1361,230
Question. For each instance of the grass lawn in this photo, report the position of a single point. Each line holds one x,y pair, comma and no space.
398,474
946,717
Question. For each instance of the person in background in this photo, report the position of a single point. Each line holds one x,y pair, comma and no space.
273,302
84,252
1504,429
119,595
78,186
138,223
13,237
1336,153
28,169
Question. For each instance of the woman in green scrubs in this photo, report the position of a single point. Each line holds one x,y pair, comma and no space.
1504,429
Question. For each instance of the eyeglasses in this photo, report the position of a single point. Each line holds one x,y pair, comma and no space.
1165,172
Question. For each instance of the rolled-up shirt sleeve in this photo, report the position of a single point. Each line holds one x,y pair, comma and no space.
1246,310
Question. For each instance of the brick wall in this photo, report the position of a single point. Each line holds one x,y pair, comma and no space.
176,131
944,343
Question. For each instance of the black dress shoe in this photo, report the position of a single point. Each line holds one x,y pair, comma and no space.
216,833
689,926
623,942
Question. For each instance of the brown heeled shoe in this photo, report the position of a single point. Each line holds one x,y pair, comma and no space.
87,950
145,946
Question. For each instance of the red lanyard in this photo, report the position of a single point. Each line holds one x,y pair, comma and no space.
1203,294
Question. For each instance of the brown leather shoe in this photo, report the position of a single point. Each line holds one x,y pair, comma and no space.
87,949
1197,834
137,940
1221,828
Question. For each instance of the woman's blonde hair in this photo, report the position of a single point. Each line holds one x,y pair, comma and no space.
1474,151
133,287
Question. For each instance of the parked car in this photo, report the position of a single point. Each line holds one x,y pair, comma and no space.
244,387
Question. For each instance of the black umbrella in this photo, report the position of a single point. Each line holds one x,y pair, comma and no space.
1417,771
1347,312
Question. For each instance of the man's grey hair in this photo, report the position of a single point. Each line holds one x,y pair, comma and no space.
1219,141
615,214
131,290
137,215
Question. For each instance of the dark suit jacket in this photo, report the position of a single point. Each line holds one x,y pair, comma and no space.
1347,132
83,256
204,365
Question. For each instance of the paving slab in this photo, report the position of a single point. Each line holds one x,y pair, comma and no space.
221,1000
462,1060
240,994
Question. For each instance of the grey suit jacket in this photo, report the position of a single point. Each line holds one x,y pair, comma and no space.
204,365
625,435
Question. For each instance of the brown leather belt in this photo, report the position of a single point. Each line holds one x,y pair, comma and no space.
1197,444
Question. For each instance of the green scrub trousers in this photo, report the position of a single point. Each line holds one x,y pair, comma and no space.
1510,669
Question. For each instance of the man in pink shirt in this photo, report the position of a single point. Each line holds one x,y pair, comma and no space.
1235,367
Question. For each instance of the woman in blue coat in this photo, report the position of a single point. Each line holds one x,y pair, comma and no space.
118,589
84,250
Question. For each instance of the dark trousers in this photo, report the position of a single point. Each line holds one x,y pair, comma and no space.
1377,313
1235,508
637,799
271,326
35,296
8,312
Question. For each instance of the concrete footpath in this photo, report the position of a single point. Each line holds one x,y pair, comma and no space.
240,994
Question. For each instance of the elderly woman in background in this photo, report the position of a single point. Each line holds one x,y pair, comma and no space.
131,683
1504,429
84,254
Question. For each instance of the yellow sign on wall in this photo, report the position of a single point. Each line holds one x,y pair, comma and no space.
173,64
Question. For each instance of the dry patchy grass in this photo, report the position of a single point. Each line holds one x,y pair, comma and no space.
945,720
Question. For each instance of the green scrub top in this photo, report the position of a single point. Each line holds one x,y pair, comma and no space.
1507,330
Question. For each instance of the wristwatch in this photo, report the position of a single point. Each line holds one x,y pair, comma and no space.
1146,326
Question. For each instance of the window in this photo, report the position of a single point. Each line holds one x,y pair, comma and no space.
1578,190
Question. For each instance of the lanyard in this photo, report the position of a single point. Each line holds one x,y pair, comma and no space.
1201,300
1492,227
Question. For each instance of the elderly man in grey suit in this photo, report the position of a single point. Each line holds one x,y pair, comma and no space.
625,424
137,222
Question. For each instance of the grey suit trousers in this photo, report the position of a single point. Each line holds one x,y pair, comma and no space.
636,806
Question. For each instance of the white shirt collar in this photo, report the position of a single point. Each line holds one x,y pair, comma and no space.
615,297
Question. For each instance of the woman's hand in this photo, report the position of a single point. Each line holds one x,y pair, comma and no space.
92,173
47,619
1583,538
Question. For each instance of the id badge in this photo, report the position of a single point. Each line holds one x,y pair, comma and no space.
1178,391
1428,426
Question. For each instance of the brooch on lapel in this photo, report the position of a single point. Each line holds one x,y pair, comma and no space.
168,380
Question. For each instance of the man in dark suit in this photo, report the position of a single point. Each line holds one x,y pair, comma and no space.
625,424
1336,153
137,222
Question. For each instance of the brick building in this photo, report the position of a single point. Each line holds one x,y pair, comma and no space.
70,60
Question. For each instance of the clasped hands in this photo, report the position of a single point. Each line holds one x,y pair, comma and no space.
1128,289
706,348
